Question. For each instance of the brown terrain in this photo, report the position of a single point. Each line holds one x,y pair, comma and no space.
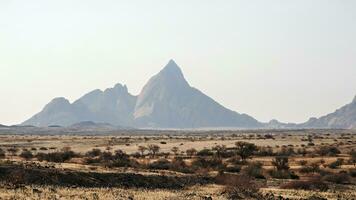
249,164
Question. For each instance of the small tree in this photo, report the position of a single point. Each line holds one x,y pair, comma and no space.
154,149
191,152
281,163
245,149
175,150
220,150
142,149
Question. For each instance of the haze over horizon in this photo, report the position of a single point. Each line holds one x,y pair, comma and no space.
272,60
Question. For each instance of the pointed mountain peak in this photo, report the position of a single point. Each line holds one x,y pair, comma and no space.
354,100
172,68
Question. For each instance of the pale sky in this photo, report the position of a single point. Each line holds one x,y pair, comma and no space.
277,59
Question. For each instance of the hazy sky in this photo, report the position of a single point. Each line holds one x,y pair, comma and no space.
283,59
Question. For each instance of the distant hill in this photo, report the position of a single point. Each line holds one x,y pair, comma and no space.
344,117
166,101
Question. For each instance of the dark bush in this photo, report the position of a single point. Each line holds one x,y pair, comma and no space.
58,157
312,168
265,151
339,178
254,170
162,164
306,185
208,163
283,174
26,155
205,152
233,169
336,164
352,172
328,151
93,153
286,151
2,153
239,187
179,165
281,162
13,151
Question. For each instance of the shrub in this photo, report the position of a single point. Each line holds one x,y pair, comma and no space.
339,178
2,153
162,163
153,149
281,162
179,165
58,157
205,152
306,185
353,157
286,151
245,149
239,187
233,169
302,151
27,155
93,153
312,168
191,152
303,162
336,164
236,160
13,151
120,159
254,170
352,172
208,163
283,174
328,150
265,151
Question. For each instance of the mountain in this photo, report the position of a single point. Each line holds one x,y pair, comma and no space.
166,101
114,105
345,117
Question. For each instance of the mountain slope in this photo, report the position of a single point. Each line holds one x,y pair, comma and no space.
168,101
345,117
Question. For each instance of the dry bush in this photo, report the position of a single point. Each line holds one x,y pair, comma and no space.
328,151
340,178
58,157
208,163
336,164
315,183
239,187
254,170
